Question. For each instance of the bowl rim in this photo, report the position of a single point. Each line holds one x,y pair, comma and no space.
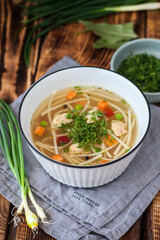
129,44
77,166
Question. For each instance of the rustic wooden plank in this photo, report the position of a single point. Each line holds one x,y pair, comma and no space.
153,24
156,217
151,220
134,232
64,41
15,77
147,223
5,209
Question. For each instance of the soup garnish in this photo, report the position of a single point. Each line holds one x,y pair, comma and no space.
84,126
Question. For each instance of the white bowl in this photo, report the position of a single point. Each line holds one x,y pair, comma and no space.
144,45
84,176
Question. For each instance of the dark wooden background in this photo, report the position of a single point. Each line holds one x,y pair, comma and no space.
15,78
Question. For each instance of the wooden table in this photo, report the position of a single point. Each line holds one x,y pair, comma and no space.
15,78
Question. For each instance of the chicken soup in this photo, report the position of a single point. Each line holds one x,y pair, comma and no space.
84,126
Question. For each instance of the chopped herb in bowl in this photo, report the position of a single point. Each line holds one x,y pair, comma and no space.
143,70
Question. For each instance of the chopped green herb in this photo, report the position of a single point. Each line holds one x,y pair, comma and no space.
98,113
69,115
99,88
143,70
87,135
43,123
118,116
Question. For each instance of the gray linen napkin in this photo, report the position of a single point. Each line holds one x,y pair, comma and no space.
96,213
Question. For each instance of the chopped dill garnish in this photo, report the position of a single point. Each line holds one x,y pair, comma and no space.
87,135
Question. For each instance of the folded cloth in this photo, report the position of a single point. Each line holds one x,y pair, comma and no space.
104,212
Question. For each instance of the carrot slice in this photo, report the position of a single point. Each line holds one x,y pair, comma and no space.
71,95
39,131
58,158
109,140
103,161
102,105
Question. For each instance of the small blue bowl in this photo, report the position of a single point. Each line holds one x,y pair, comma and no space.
143,45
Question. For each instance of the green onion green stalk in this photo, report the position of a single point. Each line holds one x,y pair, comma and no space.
44,15
11,144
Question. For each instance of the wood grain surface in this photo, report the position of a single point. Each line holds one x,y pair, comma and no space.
15,78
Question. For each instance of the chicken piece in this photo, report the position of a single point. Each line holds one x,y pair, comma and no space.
74,149
89,116
58,119
118,127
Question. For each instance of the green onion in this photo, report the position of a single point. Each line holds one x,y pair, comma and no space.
53,14
79,93
128,150
43,123
118,116
78,107
123,101
11,144
77,87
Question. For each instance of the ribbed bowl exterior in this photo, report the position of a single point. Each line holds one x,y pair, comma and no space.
152,97
84,177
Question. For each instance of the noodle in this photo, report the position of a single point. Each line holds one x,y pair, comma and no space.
91,160
53,108
87,104
104,96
